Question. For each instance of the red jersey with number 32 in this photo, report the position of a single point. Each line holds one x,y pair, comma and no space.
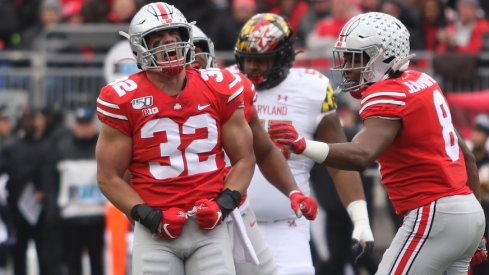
177,153
424,162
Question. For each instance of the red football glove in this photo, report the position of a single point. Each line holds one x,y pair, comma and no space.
172,223
208,214
480,254
285,133
303,205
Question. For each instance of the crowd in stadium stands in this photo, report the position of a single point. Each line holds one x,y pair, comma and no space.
435,25
39,155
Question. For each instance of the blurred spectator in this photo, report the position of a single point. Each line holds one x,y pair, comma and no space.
5,126
6,226
326,31
10,24
122,11
318,10
28,16
370,5
416,4
21,160
292,10
266,5
243,10
409,16
228,23
71,11
466,34
480,142
50,122
80,202
50,14
96,11
433,20
485,8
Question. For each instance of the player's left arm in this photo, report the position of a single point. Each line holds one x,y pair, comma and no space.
270,159
471,167
237,141
276,170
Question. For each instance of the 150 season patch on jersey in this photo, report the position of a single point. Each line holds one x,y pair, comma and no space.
142,102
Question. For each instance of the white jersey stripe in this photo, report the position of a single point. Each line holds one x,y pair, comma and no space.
235,81
236,94
386,101
107,104
382,94
111,114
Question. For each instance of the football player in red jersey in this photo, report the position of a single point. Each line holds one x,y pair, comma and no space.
270,161
169,125
426,168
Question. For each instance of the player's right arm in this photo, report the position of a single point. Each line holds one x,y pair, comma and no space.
114,146
113,154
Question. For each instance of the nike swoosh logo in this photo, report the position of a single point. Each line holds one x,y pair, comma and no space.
165,228
200,108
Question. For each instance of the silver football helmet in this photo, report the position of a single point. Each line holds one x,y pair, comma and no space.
202,40
380,45
166,58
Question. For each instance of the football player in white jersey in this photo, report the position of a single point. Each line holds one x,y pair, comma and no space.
303,97
269,160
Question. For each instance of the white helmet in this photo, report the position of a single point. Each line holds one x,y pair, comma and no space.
382,42
202,40
153,18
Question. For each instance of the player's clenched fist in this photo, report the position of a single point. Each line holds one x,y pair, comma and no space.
303,205
211,213
168,224
172,223
284,133
208,214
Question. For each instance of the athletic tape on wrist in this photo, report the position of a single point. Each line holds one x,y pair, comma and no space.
358,211
316,150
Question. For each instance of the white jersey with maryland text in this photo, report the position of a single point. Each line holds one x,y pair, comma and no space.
303,98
